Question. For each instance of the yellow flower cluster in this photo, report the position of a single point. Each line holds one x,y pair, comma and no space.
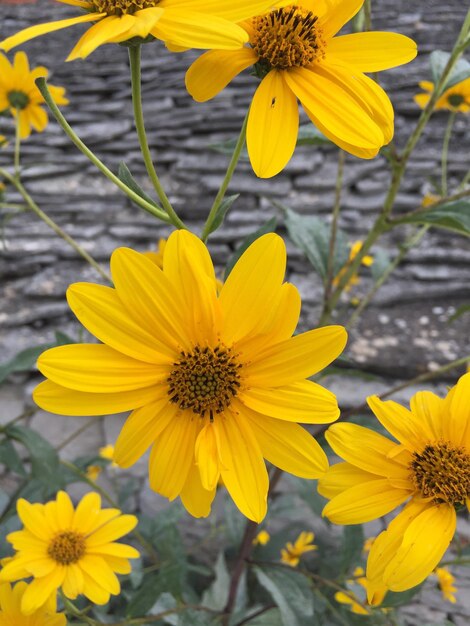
292,553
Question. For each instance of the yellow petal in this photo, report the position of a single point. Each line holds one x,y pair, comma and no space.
101,33
427,409
231,11
65,510
305,402
119,550
40,589
144,21
114,529
207,457
372,51
42,29
32,516
213,71
196,500
340,477
334,14
458,427
273,125
97,568
398,420
73,581
93,591
86,512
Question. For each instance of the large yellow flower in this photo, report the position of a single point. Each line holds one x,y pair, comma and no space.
75,549
456,98
19,94
295,51
185,23
11,614
216,381
429,467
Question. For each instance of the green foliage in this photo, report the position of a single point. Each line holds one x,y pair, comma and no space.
267,227
215,596
126,177
453,216
381,263
438,60
222,212
352,542
309,135
465,308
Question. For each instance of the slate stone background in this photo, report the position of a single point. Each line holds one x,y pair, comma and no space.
405,332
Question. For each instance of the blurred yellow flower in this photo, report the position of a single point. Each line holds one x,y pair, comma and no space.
429,469
216,381
179,23
358,605
446,583
354,279
292,553
74,549
12,615
297,56
456,98
93,471
368,543
20,96
262,538
429,199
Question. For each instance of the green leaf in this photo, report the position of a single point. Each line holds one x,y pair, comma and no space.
453,216
227,148
267,227
394,598
465,308
45,465
352,543
24,361
4,501
215,597
381,263
62,339
309,135
289,590
10,457
126,177
438,60
146,596
272,617
222,211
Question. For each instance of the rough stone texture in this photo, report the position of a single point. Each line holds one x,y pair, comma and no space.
405,332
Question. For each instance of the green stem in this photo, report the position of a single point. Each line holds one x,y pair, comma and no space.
70,608
55,227
17,154
13,207
367,15
226,181
147,206
465,180
78,432
134,60
149,619
445,152
404,217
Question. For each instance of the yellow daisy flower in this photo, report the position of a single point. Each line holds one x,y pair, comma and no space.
180,23
295,52
456,98
367,261
19,94
74,549
216,381
429,469
11,614
292,553
446,583
107,452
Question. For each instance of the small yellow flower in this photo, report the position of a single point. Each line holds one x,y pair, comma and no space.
296,53
358,605
12,615
107,452
93,471
429,199
354,279
20,96
368,543
292,552
72,549
456,98
428,469
446,583
261,538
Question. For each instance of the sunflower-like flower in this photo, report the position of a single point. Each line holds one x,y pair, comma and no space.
429,468
75,549
295,52
456,98
203,24
11,614
216,381
292,552
20,96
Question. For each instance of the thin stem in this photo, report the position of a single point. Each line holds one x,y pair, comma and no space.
445,152
17,154
264,609
465,180
136,82
226,181
160,616
404,217
409,243
147,206
367,15
23,416
78,432
55,227
70,607
13,207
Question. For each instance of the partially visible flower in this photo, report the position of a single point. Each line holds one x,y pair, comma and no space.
107,452
179,23
295,52
292,553
217,382
12,615
367,261
428,469
456,98
368,543
93,471
72,549
19,94
446,583
358,604
262,538
429,199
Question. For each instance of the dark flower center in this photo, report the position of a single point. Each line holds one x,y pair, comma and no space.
455,100
18,99
67,547
121,7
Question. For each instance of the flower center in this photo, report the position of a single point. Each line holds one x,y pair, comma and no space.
67,547
204,380
121,7
287,37
455,100
442,472
18,99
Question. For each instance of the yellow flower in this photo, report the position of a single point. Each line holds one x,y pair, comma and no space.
292,552
93,471
368,543
19,94
446,583
75,549
429,469
349,597
12,615
429,199
354,280
157,257
295,52
179,23
216,381
261,538
456,98
107,452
